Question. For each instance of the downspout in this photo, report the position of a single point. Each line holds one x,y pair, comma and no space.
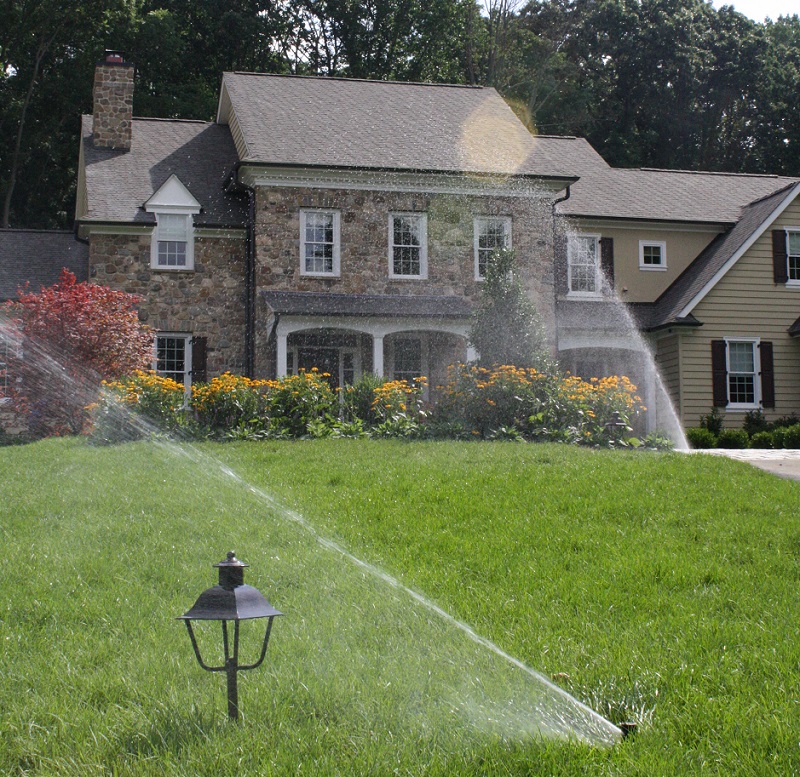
250,287
555,258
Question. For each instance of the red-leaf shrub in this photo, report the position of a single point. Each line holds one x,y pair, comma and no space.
62,342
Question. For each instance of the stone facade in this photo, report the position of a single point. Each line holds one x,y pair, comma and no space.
208,301
113,104
364,228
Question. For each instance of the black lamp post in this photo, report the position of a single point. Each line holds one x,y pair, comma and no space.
231,600
616,426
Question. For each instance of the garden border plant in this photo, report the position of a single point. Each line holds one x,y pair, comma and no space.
502,402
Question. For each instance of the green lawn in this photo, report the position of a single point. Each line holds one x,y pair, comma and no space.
658,588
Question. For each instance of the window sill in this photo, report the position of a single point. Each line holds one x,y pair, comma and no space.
793,284
408,277
741,408
652,268
595,296
159,268
328,275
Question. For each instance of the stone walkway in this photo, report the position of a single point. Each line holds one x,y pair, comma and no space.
783,463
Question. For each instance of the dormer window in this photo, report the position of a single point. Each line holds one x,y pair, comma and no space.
172,246
173,243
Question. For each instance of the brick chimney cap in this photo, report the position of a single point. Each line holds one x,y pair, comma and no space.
114,57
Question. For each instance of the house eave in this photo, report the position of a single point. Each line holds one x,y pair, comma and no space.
255,174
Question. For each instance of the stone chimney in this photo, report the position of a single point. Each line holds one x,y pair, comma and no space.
113,102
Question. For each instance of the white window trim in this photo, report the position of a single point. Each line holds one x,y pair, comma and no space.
476,224
154,262
187,355
598,275
337,266
791,283
754,342
423,247
653,267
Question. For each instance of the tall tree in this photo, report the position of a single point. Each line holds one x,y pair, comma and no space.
44,44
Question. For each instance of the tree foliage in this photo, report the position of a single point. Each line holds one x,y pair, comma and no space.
657,83
505,327
63,341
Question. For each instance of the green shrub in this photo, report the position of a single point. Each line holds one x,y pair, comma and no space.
712,421
397,408
754,422
733,438
762,440
230,402
779,437
540,405
357,400
136,406
701,438
299,400
792,437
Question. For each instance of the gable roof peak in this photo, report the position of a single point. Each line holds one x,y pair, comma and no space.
347,79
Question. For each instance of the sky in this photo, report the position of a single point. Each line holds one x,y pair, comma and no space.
759,10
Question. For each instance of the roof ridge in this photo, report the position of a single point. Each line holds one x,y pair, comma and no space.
356,80
789,185
703,172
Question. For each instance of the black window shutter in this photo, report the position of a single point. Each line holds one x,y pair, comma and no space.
607,259
719,372
560,254
779,266
199,359
767,375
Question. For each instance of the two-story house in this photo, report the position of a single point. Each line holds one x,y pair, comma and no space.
318,222
346,224
705,263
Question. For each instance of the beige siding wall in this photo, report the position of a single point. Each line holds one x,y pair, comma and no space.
636,285
745,303
668,361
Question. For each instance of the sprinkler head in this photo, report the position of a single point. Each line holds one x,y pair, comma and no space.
628,729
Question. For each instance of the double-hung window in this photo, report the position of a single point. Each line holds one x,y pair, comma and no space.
408,250
319,243
173,358
407,358
491,233
652,255
174,246
793,255
743,369
583,265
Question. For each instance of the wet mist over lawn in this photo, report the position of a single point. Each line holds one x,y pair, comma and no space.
656,588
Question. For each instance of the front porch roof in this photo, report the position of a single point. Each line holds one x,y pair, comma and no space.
305,303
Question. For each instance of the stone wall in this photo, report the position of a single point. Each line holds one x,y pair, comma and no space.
365,245
113,105
206,302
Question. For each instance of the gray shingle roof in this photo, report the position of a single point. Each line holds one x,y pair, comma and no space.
692,281
391,305
201,154
37,257
667,195
348,123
